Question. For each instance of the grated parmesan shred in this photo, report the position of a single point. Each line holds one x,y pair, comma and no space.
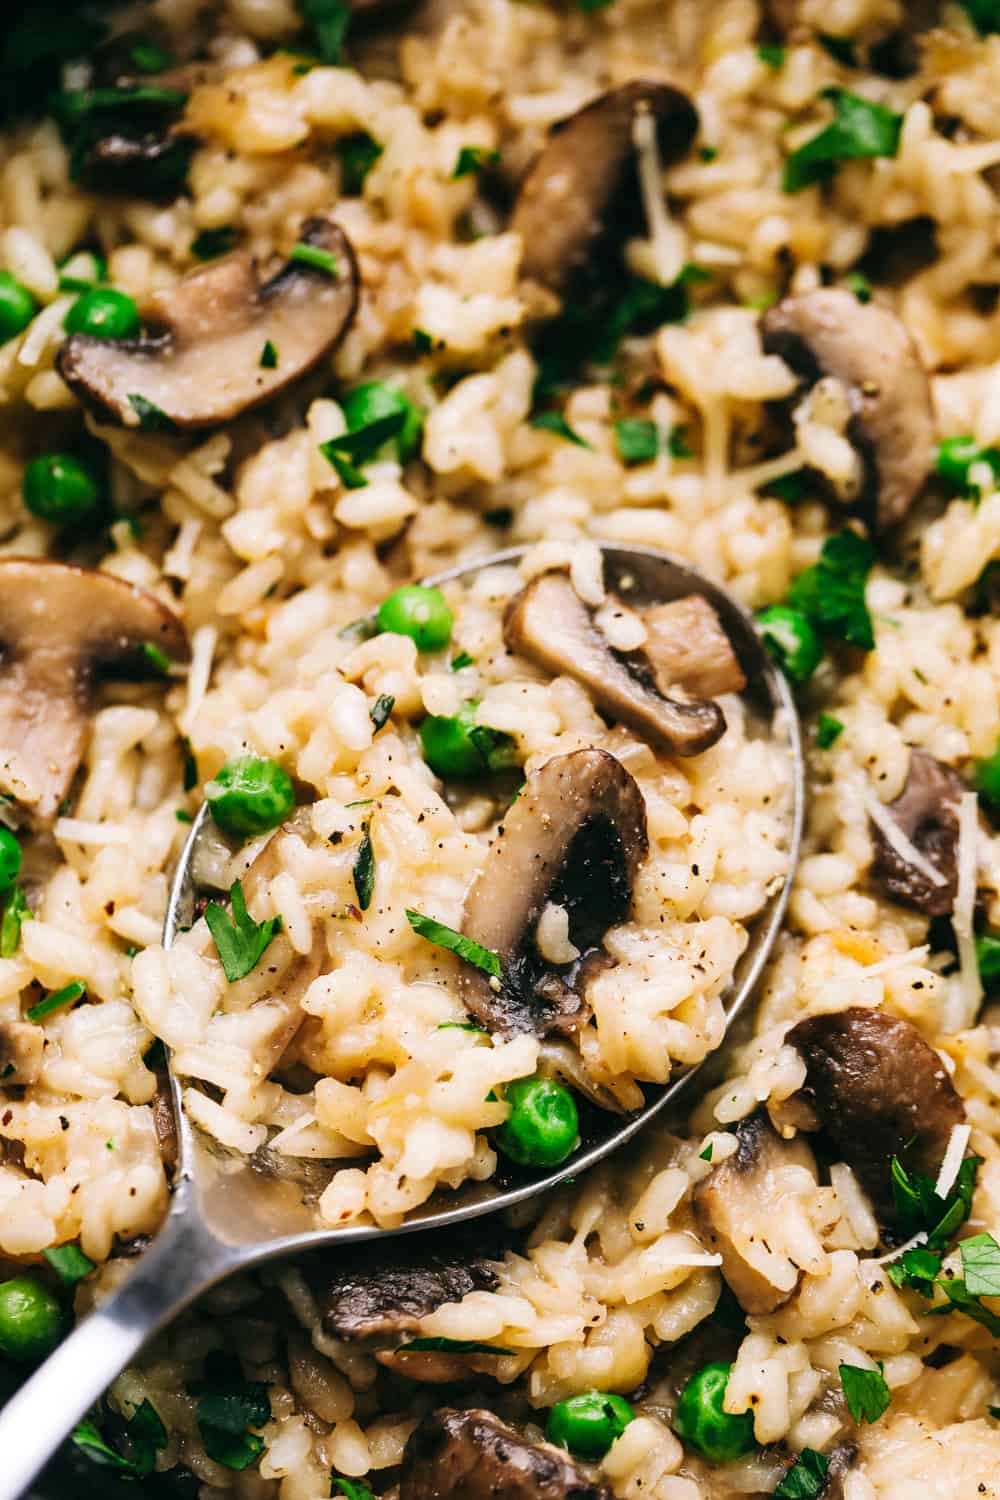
666,240
895,836
920,1238
963,911
952,1161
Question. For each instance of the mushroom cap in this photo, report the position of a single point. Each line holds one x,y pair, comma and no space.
866,348
472,1455
926,811
205,368
549,623
566,196
60,626
575,836
880,1091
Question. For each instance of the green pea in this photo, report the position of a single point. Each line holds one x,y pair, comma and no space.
58,487
104,313
10,860
455,745
588,1424
703,1424
988,960
250,796
542,1127
31,1319
419,612
17,307
957,456
792,640
986,778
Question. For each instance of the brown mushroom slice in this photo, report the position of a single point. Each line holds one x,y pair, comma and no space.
549,623
926,815
472,1455
574,838
204,367
143,164
61,627
739,1211
568,195
879,1091
828,332
21,1048
687,647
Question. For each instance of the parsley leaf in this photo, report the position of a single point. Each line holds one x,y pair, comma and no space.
859,130
269,357
376,414
422,341
637,440
364,870
840,48
917,1269
984,15
988,959
806,1478
151,418
212,242
69,1263
143,1436
455,942
316,257
706,1155
858,283
677,442
918,1206
15,913
981,1265
832,592
828,731
474,159
239,940
352,1488
358,154
57,1000
228,1405
463,659
329,20
381,709
772,55
963,1301
556,423
865,1392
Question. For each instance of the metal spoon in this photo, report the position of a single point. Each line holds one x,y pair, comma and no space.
226,1215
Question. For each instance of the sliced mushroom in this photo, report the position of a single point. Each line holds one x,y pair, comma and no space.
549,623
204,367
21,1047
740,1213
575,839
867,349
137,163
569,193
687,648
879,1091
60,628
164,1123
926,814
472,1455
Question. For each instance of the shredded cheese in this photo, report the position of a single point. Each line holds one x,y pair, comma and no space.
920,1238
952,1161
894,835
963,911
898,961
78,831
666,240
203,645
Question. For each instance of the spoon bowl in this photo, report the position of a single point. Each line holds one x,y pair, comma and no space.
230,1212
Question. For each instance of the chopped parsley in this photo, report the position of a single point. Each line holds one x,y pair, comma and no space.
858,283
328,20
988,959
637,440
358,154
981,1265
859,129
984,15
706,1155
239,940
149,58
866,1393
212,242
69,1263
960,1299
227,1407
917,1269
461,1026
455,942
142,1437
556,423
806,1478
151,418
156,658
376,414
269,357
57,1000
677,441
474,159
840,48
791,489
708,153
364,870
832,592
15,913
772,55
918,1206
959,458
828,731
352,1488
422,341
190,767
381,709
463,659
182,815
316,257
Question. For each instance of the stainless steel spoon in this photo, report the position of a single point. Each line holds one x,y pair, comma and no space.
226,1215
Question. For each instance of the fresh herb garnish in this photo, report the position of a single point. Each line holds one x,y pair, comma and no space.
556,423
988,959
772,55
151,418
981,1265
456,942
828,731
956,459
422,341
463,659
212,242
984,15
15,913
329,21
182,815
57,1000
376,414
228,1405
637,440
156,658
474,159
316,257
677,441
69,1263
806,1478
840,48
832,591
962,1300
149,58
859,130
918,1206
190,767
144,1435
708,153
461,1026
858,283
364,870
706,1155
381,709
866,1393
916,1268
269,357
239,940
352,1488
358,154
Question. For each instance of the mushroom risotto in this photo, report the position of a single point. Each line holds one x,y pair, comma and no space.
306,308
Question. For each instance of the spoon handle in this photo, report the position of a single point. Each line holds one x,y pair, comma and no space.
184,1260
